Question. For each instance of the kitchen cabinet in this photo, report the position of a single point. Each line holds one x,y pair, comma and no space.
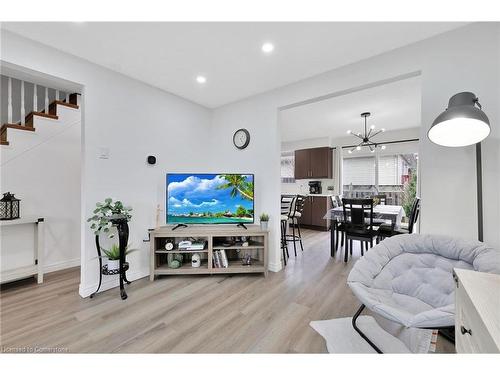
314,163
314,210
302,164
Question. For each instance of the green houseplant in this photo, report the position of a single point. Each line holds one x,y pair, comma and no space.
105,212
113,256
264,220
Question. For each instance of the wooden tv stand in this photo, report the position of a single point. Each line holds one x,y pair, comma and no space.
217,238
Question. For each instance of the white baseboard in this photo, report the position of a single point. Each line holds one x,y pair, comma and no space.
57,266
274,267
110,282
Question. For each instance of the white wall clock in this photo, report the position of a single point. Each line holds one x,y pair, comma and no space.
241,138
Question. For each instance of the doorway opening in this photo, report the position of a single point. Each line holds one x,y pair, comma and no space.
379,161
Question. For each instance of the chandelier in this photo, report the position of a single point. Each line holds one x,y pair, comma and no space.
367,136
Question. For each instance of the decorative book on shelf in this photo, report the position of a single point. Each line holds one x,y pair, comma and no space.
221,249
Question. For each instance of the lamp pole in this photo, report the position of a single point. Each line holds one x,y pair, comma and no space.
479,178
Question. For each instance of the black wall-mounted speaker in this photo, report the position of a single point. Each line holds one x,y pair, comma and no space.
151,159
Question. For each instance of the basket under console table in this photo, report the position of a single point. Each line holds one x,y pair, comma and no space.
217,238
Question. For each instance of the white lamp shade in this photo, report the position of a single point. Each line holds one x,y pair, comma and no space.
459,132
462,124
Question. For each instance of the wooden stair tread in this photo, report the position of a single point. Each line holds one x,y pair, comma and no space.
41,114
16,126
3,131
55,103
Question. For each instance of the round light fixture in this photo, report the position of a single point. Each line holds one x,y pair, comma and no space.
383,147
201,79
267,47
461,124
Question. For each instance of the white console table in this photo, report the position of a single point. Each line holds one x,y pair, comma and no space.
37,267
477,320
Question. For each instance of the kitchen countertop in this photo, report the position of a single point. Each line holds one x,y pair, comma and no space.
321,195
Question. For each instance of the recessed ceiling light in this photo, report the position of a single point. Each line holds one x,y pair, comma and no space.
201,79
267,47
383,147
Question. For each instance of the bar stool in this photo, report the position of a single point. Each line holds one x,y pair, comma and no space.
295,215
286,204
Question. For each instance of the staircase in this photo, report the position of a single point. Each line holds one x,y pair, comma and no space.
26,123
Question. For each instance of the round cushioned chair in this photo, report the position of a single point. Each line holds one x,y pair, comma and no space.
408,279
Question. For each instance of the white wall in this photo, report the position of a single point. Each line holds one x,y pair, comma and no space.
464,59
43,169
133,120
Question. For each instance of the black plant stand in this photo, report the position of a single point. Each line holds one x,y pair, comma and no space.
122,226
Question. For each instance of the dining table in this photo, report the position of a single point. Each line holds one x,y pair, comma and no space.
391,213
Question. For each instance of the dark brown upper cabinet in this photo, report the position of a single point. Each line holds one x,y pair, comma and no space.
313,163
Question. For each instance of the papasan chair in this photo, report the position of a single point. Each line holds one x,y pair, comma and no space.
408,278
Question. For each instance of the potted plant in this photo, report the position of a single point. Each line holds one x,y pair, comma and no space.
113,256
264,220
105,213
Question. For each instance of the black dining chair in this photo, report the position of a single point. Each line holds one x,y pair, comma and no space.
389,230
295,215
338,223
286,206
358,225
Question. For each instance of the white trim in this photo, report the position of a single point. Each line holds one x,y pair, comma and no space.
109,282
61,265
274,267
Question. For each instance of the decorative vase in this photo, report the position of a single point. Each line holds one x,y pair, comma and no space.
196,260
113,265
263,225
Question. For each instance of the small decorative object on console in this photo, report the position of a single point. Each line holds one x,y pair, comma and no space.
183,245
247,260
9,207
174,260
264,220
169,245
195,260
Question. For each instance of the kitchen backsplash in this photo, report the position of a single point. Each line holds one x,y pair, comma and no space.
302,186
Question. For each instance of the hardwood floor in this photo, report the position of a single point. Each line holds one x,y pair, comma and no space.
187,314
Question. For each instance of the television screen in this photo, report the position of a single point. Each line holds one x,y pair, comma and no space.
210,198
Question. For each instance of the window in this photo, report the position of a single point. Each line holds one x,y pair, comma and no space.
288,167
392,171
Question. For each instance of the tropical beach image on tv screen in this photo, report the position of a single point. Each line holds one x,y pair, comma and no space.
210,198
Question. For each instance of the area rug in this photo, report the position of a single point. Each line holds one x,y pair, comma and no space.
341,337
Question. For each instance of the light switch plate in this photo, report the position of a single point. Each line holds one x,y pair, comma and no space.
103,152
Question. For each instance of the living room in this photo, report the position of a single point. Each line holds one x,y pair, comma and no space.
185,147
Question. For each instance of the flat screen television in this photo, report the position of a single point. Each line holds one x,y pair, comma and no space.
210,198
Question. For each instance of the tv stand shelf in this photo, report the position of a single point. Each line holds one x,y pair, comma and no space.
215,237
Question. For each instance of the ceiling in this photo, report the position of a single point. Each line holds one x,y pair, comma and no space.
171,55
393,106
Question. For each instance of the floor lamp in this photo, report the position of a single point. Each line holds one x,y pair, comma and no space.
464,123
